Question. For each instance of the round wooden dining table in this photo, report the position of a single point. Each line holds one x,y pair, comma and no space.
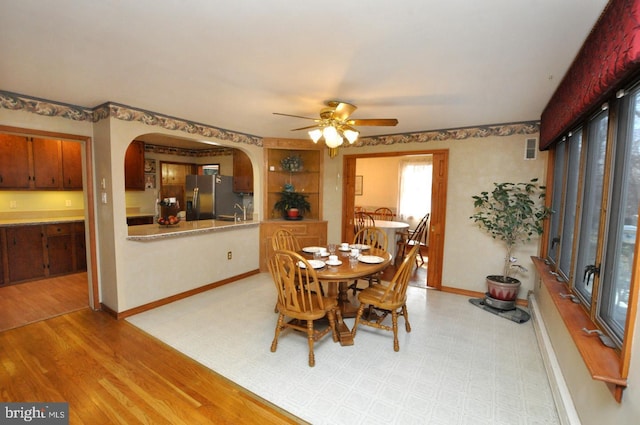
336,280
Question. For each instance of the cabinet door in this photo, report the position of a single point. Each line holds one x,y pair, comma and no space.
80,247
59,250
25,253
14,162
242,172
2,243
134,166
72,165
46,164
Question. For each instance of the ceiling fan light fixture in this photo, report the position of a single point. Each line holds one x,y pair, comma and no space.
351,135
315,135
331,137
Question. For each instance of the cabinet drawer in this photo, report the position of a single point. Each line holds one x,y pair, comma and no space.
58,229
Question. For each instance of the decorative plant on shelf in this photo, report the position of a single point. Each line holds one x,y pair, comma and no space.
291,163
512,213
292,204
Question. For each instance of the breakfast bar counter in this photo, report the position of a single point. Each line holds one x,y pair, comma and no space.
150,232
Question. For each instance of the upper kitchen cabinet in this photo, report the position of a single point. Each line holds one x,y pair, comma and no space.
242,172
46,164
15,172
34,163
134,166
71,165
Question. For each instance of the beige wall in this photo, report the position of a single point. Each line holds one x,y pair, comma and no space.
380,182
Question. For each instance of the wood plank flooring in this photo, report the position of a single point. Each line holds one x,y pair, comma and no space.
110,372
33,301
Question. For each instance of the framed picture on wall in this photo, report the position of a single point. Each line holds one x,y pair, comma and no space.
358,185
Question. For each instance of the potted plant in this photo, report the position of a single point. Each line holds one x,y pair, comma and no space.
512,213
292,204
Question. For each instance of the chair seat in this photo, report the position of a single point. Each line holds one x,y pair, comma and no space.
314,313
372,294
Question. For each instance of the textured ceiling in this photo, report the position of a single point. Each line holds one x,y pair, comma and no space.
429,63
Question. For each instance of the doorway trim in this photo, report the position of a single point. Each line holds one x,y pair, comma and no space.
89,208
438,204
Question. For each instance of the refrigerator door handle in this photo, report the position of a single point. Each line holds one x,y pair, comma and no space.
195,198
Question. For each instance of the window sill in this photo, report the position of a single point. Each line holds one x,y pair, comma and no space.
603,362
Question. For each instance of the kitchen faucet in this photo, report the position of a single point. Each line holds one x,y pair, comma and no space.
244,211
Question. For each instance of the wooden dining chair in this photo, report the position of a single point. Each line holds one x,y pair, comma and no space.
412,238
376,238
300,300
362,220
283,239
387,298
383,213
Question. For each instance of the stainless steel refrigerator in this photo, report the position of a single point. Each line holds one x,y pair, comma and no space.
209,196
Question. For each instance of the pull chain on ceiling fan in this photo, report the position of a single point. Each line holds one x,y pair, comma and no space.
334,125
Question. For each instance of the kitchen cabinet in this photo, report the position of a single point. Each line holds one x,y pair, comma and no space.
59,249
79,246
242,172
308,233
15,172
134,166
46,163
28,163
139,220
71,165
36,251
25,253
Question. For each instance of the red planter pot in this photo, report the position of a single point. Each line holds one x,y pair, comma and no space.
501,289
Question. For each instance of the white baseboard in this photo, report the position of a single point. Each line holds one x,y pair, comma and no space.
564,403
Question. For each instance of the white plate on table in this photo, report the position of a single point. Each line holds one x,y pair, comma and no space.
314,249
359,246
371,259
344,249
332,263
316,264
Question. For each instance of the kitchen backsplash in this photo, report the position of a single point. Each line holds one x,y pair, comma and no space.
41,201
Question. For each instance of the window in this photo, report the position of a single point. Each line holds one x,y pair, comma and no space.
596,200
415,188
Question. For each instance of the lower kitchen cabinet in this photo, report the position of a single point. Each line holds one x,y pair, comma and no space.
37,251
308,233
25,253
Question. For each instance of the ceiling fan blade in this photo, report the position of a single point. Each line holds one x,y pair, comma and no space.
295,116
343,110
374,122
304,128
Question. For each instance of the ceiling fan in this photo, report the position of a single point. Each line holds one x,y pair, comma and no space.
335,125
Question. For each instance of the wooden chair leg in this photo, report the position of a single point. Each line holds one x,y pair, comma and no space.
312,359
407,325
332,324
394,321
355,325
279,325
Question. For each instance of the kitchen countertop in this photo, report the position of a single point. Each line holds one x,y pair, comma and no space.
44,220
150,232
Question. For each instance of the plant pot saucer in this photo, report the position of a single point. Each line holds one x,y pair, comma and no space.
499,304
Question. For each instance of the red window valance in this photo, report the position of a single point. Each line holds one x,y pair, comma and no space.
610,54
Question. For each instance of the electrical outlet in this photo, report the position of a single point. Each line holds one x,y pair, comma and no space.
13,204
229,256
67,202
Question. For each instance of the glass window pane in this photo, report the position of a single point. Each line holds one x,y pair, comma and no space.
571,200
621,239
584,275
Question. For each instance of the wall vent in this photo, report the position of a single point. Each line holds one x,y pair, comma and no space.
531,148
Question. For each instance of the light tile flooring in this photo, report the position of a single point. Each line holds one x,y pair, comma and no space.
459,365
